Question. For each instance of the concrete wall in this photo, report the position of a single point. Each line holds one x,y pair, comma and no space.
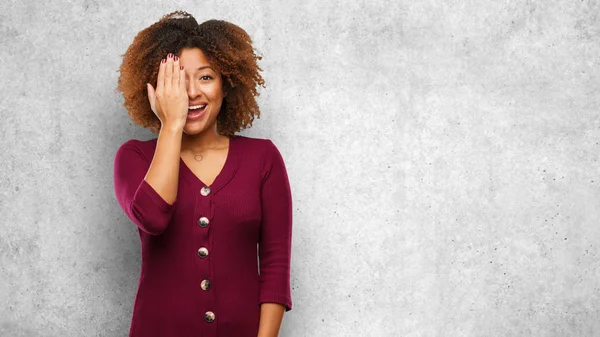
443,157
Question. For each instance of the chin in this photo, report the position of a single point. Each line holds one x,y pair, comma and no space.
192,130
196,127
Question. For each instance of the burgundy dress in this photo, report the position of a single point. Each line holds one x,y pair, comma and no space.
213,256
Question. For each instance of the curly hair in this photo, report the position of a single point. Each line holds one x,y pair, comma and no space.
228,49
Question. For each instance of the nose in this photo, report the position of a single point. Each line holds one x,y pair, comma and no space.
191,89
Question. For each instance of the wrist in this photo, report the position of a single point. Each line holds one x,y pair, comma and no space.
172,127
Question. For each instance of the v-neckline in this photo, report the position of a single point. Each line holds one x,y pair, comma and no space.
223,177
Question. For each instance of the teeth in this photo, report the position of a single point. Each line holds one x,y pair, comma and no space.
196,106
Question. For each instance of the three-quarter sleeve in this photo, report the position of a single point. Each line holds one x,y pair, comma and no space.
275,239
140,202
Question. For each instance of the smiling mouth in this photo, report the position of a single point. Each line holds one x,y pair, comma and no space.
194,107
196,113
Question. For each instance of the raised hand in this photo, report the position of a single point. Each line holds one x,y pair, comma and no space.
169,101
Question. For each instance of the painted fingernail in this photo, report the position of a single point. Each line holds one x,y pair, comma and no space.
176,58
164,60
170,55
181,67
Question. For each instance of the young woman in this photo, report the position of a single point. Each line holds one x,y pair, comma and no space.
213,209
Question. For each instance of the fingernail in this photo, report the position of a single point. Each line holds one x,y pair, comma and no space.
170,55
181,67
164,60
176,58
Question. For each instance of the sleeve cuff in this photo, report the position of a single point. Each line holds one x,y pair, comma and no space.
148,196
150,210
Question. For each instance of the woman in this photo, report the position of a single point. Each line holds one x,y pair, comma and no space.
202,197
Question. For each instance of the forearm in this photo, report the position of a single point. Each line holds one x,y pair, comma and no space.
271,315
163,174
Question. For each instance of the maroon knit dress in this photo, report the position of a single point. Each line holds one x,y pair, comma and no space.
200,272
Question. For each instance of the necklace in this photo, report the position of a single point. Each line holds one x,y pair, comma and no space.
199,157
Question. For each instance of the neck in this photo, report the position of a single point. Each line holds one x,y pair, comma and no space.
205,140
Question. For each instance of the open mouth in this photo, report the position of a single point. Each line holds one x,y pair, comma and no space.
196,111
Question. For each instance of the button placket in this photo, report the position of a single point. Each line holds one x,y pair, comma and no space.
203,222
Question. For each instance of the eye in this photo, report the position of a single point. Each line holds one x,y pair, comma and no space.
207,76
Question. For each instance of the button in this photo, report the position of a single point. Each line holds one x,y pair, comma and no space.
205,190
205,284
203,252
209,316
203,221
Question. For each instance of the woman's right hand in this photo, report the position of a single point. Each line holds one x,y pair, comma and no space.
169,101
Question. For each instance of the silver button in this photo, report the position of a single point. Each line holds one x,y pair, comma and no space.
205,284
203,252
209,316
205,191
203,221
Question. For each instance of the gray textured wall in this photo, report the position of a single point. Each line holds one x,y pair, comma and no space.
443,157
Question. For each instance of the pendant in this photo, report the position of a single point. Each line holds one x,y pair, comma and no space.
197,155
